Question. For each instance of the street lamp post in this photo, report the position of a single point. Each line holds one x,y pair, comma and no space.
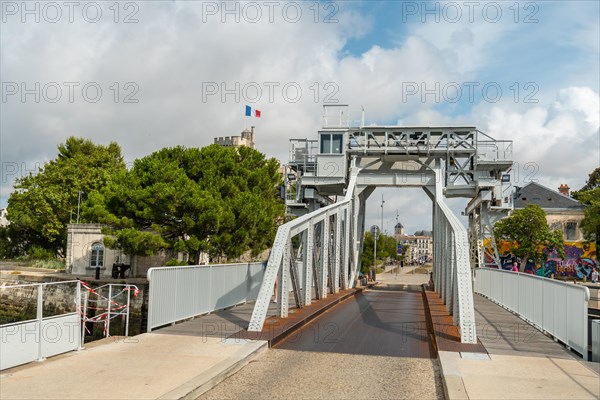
374,233
382,202
78,203
397,241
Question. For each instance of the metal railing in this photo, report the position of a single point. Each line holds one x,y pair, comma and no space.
556,307
35,339
494,150
109,301
178,293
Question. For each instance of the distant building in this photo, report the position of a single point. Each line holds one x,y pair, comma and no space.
245,139
4,217
86,251
562,212
420,244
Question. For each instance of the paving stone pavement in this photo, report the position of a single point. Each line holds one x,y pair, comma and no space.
290,374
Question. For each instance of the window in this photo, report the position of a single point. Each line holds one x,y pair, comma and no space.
97,257
331,143
571,231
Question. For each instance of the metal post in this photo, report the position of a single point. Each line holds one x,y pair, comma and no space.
40,317
78,305
308,264
325,257
128,302
108,312
83,317
375,234
78,203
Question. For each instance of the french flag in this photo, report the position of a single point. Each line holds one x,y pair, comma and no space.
252,113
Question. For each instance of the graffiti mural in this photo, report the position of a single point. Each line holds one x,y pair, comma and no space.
580,259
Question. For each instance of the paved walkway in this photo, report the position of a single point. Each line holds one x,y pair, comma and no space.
519,361
522,363
170,363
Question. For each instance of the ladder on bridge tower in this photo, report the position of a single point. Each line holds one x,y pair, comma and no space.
349,160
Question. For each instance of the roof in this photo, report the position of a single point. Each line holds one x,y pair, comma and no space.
399,225
546,198
423,233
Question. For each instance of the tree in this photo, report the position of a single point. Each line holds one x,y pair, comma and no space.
592,183
386,247
589,195
43,204
528,235
218,200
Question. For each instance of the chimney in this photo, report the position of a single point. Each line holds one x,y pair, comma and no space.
564,189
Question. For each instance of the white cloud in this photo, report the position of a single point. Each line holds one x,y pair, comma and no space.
172,52
561,139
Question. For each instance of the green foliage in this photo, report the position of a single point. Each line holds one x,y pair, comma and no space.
42,204
589,195
527,233
405,253
38,253
218,200
173,262
592,183
49,263
386,247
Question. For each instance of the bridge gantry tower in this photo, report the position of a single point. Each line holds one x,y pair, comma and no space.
328,181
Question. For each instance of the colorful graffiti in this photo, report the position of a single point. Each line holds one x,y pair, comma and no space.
579,261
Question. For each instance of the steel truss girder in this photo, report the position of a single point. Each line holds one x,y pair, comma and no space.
282,263
452,272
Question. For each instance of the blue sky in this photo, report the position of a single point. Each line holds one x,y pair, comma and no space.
173,51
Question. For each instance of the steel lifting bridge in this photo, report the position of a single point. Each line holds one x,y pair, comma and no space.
328,181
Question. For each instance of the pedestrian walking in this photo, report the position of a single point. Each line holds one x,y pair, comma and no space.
594,275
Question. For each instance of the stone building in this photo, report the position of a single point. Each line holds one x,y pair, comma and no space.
86,251
421,244
562,212
245,139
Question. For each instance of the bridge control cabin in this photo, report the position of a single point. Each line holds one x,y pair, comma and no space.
475,165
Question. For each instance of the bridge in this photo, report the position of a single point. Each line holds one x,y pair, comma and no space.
472,337
351,162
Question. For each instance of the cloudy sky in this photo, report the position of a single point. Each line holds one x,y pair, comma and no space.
150,74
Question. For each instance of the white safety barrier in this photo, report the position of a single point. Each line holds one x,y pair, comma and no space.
178,293
596,340
556,307
44,336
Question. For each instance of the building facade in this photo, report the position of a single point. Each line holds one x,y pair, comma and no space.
562,212
86,251
420,245
246,138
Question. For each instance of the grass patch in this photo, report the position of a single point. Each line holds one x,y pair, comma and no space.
49,263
